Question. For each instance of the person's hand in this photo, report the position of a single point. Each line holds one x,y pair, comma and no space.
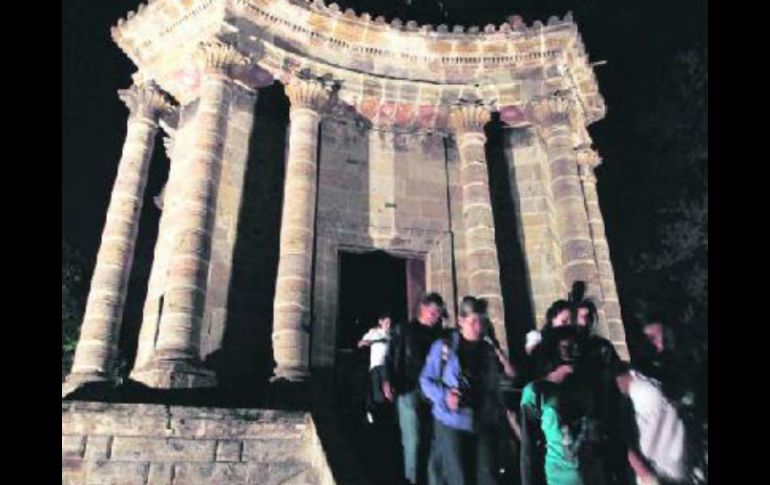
363,343
387,390
558,374
508,368
645,476
530,348
453,399
648,480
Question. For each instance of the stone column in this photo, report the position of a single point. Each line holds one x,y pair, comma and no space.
98,344
553,117
467,121
152,309
175,361
291,308
588,160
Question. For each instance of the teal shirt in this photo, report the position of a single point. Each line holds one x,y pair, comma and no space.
560,467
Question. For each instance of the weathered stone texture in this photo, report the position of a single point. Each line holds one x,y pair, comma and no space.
378,190
483,270
230,193
291,308
155,444
99,333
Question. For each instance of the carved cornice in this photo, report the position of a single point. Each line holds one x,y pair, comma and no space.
514,24
364,52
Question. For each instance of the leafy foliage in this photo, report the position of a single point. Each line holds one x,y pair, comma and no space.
73,294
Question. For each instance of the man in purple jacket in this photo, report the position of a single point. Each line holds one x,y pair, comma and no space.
461,378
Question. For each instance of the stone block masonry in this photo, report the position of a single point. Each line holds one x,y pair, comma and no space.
163,445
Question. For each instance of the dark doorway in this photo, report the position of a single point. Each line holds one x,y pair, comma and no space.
369,283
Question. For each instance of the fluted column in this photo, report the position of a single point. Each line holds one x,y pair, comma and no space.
175,361
291,308
467,122
588,160
553,117
98,344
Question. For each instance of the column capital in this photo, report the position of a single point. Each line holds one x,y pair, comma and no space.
218,57
587,159
469,117
587,156
550,110
312,94
146,100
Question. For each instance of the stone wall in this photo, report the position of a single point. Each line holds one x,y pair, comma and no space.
378,190
242,353
229,197
160,445
531,192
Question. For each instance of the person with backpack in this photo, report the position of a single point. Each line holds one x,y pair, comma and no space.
559,419
461,378
406,355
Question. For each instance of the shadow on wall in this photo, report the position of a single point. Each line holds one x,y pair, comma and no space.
244,362
519,315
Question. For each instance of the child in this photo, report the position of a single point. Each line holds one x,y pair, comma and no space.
377,339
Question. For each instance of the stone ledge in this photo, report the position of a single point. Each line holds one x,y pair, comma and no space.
150,443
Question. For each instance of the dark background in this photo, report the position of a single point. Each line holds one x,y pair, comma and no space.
653,184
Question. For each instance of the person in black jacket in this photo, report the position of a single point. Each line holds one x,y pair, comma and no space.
408,349
602,364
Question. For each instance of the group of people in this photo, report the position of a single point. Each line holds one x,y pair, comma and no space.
584,416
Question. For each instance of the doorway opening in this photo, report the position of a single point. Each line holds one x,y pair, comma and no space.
370,283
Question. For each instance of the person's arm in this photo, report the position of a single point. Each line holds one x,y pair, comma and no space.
612,360
391,360
508,368
367,339
530,435
430,378
533,339
645,475
631,433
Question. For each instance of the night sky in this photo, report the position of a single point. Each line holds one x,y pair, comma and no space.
638,39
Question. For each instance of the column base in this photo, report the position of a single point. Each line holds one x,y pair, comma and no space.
174,374
77,381
290,374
